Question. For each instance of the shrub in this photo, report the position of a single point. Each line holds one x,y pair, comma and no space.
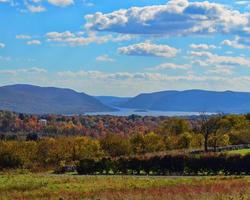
87,166
9,161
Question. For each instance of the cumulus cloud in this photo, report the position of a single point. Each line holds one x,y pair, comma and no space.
238,43
34,42
173,66
62,3
104,58
76,39
2,45
209,59
177,17
37,6
202,46
149,49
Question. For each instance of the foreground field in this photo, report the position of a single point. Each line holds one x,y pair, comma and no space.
241,152
45,186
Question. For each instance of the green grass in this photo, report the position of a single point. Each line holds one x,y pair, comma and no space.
47,186
241,151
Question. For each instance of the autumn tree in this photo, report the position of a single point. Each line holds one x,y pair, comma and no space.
115,145
153,143
175,126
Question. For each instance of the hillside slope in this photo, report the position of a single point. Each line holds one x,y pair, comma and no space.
48,100
112,101
192,101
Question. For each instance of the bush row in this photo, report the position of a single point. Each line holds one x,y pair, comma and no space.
212,164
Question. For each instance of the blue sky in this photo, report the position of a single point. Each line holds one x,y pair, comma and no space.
110,47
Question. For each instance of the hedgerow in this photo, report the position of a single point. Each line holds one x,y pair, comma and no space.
205,164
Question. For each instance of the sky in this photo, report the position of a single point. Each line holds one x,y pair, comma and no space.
123,48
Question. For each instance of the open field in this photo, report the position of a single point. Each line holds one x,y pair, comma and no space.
241,151
46,186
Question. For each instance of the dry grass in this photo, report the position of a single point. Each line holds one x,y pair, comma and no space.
45,186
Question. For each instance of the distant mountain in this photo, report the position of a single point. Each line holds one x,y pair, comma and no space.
113,101
192,101
45,100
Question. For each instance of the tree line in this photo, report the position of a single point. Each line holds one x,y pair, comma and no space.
34,148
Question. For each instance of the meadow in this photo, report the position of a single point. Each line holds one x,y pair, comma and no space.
240,152
48,186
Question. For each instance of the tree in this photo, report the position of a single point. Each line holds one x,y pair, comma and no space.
137,143
209,125
175,126
153,143
185,140
84,147
216,140
115,145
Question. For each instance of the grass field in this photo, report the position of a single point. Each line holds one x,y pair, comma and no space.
241,151
46,186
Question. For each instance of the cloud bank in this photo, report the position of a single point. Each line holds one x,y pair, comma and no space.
177,17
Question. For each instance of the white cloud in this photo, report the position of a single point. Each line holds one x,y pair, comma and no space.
224,70
4,1
23,37
34,42
202,46
177,17
134,76
2,45
172,66
22,70
242,2
209,59
60,35
88,3
237,43
149,49
62,3
104,58
76,39
37,6
36,9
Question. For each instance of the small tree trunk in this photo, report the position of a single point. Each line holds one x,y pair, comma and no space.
206,143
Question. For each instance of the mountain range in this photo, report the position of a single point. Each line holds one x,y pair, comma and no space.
44,100
50,100
192,101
